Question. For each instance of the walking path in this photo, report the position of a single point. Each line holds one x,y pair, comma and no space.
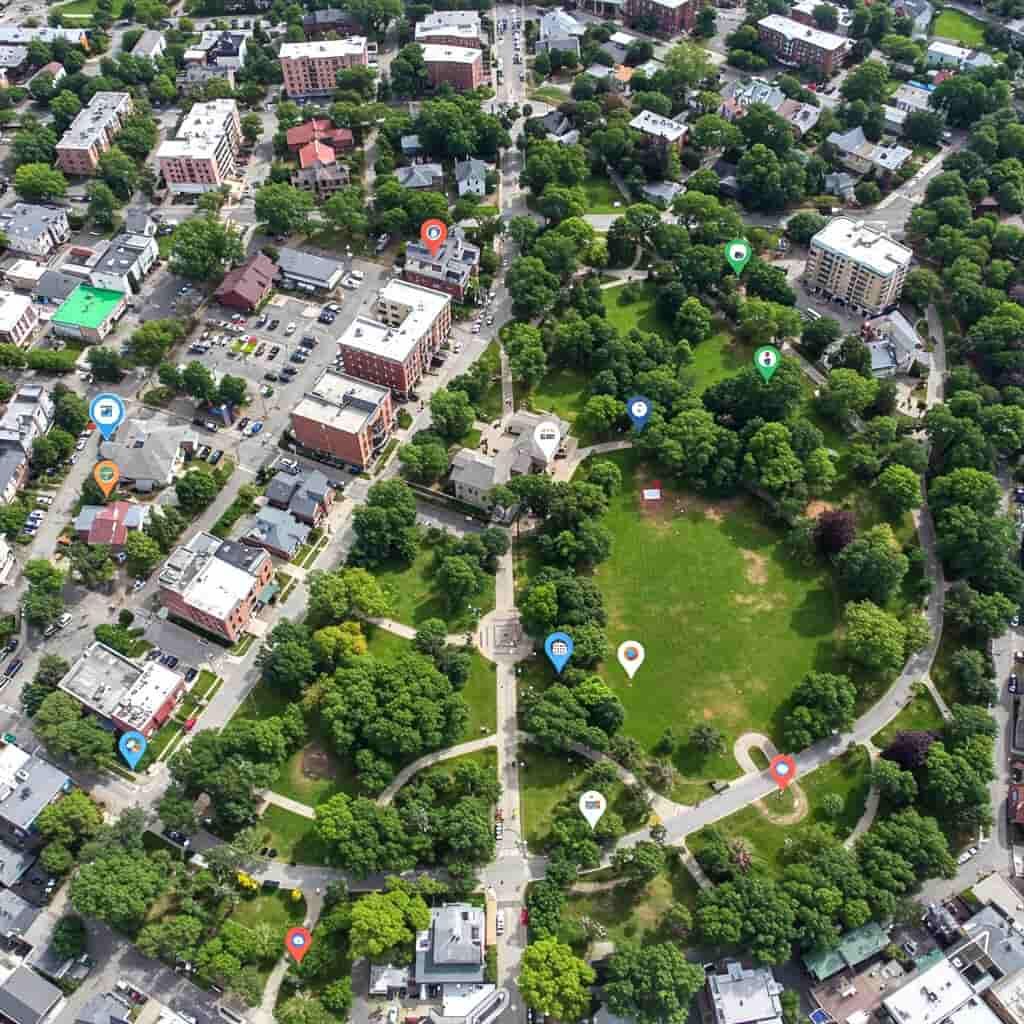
428,760
741,751
288,804
409,632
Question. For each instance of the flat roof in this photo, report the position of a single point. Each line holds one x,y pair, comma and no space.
865,245
1001,894
795,30
655,124
114,686
422,308
1009,992
27,785
350,47
960,52
341,402
929,997
745,994
12,308
88,306
212,575
92,124
435,54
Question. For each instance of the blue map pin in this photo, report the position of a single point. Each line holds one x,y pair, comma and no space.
107,412
132,746
639,410
558,648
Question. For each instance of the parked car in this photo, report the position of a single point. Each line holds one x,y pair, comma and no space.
191,674
215,457
13,668
274,324
1013,683
290,329
271,376
242,423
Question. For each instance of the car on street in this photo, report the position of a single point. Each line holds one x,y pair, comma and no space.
13,668
255,428
177,837
138,585
11,646
191,674
274,324
288,372
326,318
242,423
1013,683
215,457
499,922
298,357
291,328
271,376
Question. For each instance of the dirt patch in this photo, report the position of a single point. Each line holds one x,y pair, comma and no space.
317,762
708,714
797,814
815,508
753,602
757,568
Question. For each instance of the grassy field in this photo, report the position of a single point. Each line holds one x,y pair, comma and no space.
489,407
545,783
959,27
716,358
562,391
627,315
82,9
920,714
602,195
276,909
549,94
707,586
848,775
629,915
292,836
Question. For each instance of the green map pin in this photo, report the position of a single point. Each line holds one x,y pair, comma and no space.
766,359
737,253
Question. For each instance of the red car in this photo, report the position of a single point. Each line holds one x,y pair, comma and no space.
190,725
524,916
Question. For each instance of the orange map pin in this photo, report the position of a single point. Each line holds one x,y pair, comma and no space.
106,474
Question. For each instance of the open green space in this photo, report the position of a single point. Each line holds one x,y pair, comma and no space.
415,597
549,94
848,775
602,195
292,835
626,315
729,622
920,714
545,782
276,909
563,392
959,27
627,914
489,407
82,9
716,358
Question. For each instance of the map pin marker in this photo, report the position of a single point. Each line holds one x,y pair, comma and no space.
558,648
766,359
107,412
639,410
432,235
592,806
631,656
297,943
737,254
132,746
106,474
782,769
546,436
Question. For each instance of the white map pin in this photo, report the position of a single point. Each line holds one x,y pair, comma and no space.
592,806
546,435
631,656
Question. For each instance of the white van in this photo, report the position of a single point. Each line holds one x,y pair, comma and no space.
64,620
499,922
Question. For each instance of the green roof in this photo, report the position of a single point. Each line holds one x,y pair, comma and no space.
87,306
854,948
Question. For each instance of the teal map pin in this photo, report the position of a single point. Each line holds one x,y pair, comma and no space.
766,359
737,254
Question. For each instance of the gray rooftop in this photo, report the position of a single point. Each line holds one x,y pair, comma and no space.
26,998
104,1008
27,220
452,950
149,41
472,469
467,170
278,529
22,798
992,941
123,253
14,863
13,56
295,263
55,285
16,916
419,175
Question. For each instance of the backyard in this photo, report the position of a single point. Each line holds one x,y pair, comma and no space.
848,776
729,623
602,195
959,27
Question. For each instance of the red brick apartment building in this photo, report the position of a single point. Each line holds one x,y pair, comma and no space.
799,45
673,16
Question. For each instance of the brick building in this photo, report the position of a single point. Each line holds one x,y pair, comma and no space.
343,418
800,46
461,67
673,16
455,266
203,154
394,349
311,69
92,132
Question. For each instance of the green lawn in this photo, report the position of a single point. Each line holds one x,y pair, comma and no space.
628,915
716,358
550,94
415,597
546,781
920,714
277,909
602,195
627,315
848,775
959,27
86,9
292,836
730,625
489,407
563,392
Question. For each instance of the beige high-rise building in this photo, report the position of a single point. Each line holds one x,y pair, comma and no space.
202,156
853,262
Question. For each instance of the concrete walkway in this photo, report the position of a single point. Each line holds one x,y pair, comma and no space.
409,632
289,805
431,759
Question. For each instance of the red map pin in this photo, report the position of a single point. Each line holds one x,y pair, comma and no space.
783,770
432,235
297,942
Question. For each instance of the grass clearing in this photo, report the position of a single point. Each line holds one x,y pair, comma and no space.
921,714
293,837
489,406
716,358
602,195
545,782
959,27
848,775
563,392
549,94
276,909
416,599
626,315
705,584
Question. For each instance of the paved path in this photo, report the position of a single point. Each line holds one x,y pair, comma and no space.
409,632
289,805
741,751
436,757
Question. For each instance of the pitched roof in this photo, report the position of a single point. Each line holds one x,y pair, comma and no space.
278,529
251,280
466,170
315,152
25,997
419,175
318,128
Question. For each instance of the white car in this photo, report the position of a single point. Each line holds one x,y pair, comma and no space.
476,328
80,447
290,329
138,585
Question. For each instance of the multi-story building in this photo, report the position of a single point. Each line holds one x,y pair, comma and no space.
126,262
28,785
125,695
800,46
89,314
860,155
202,156
394,349
247,286
461,67
319,129
450,28
13,62
850,261
151,44
451,270
344,419
29,414
319,171
220,49
659,130
803,11
330,19
307,273
744,995
18,318
34,230
195,77
93,132
311,69
672,16
17,35
215,584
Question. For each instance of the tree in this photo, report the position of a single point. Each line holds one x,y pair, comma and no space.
120,172
822,703
819,336
202,249
868,82
195,489
707,739
344,594
897,787
553,981
91,564
283,208
384,921
102,204
70,821
252,125
639,864
120,887
362,837
847,394
39,183
409,76
69,937
44,601
67,732
652,984
177,811
303,1009
385,524
900,489
803,226
872,566
973,673
451,413
42,87
532,286
65,107
874,638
